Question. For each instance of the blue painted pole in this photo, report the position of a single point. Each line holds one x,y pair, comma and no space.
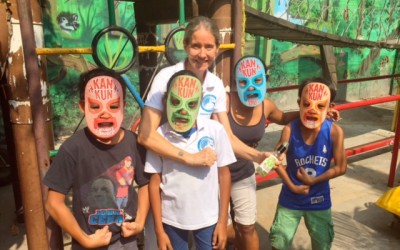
133,91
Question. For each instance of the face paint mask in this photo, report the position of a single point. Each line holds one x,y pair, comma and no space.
314,104
251,83
104,106
183,102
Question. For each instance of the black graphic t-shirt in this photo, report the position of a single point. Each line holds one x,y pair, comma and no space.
100,177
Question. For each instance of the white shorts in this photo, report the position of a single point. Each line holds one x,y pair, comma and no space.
244,199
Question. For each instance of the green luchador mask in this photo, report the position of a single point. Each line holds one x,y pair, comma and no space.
183,101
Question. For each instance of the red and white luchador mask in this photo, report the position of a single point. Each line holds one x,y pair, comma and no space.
104,106
314,104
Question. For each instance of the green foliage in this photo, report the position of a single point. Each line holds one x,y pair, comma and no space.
375,20
126,15
282,74
65,97
308,10
358,19
253,3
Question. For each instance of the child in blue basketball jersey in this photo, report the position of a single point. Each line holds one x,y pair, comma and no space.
313,142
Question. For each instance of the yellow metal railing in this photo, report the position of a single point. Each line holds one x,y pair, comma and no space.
142,49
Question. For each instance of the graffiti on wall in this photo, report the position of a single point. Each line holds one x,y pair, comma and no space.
356,19
74,24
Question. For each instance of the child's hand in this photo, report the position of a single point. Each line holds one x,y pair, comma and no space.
280,160
278,163
101,237
130,228
333,114
163,242
300,189
304,177
219,236
281,157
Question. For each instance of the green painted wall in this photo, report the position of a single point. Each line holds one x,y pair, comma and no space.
74,23
379,20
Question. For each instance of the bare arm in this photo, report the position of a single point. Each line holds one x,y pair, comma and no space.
339,157
220,234
155,200
143,205
55,206
241,149
297,189
275,115
133,228
151,139
281,170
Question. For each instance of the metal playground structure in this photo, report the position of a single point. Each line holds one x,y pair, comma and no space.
256,27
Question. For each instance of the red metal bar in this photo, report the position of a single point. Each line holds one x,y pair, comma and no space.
349,152
395,152
365,147
363,103
277,89
368,78
290,87
270,176
370,146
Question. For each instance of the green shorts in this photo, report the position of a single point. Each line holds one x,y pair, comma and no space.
319,225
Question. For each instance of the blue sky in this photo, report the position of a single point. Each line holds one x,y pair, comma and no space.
281,12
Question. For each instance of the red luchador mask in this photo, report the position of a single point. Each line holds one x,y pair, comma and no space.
104,106
314,104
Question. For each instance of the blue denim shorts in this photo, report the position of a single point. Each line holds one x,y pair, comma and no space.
180,238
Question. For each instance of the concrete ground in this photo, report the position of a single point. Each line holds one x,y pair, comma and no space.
359,223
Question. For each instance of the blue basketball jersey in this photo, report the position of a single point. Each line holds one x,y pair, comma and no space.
315,159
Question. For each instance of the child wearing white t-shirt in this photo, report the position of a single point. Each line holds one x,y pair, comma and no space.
184,198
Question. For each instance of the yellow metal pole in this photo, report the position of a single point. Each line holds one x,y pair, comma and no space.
63,51
142,49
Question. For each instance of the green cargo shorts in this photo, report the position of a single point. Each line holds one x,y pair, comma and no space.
319,225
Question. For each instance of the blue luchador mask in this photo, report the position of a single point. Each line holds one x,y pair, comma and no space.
251,81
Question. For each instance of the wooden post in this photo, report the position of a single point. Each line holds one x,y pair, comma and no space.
328,61
30,118
221,12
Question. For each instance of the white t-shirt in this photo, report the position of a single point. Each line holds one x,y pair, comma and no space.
214,97
189,195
